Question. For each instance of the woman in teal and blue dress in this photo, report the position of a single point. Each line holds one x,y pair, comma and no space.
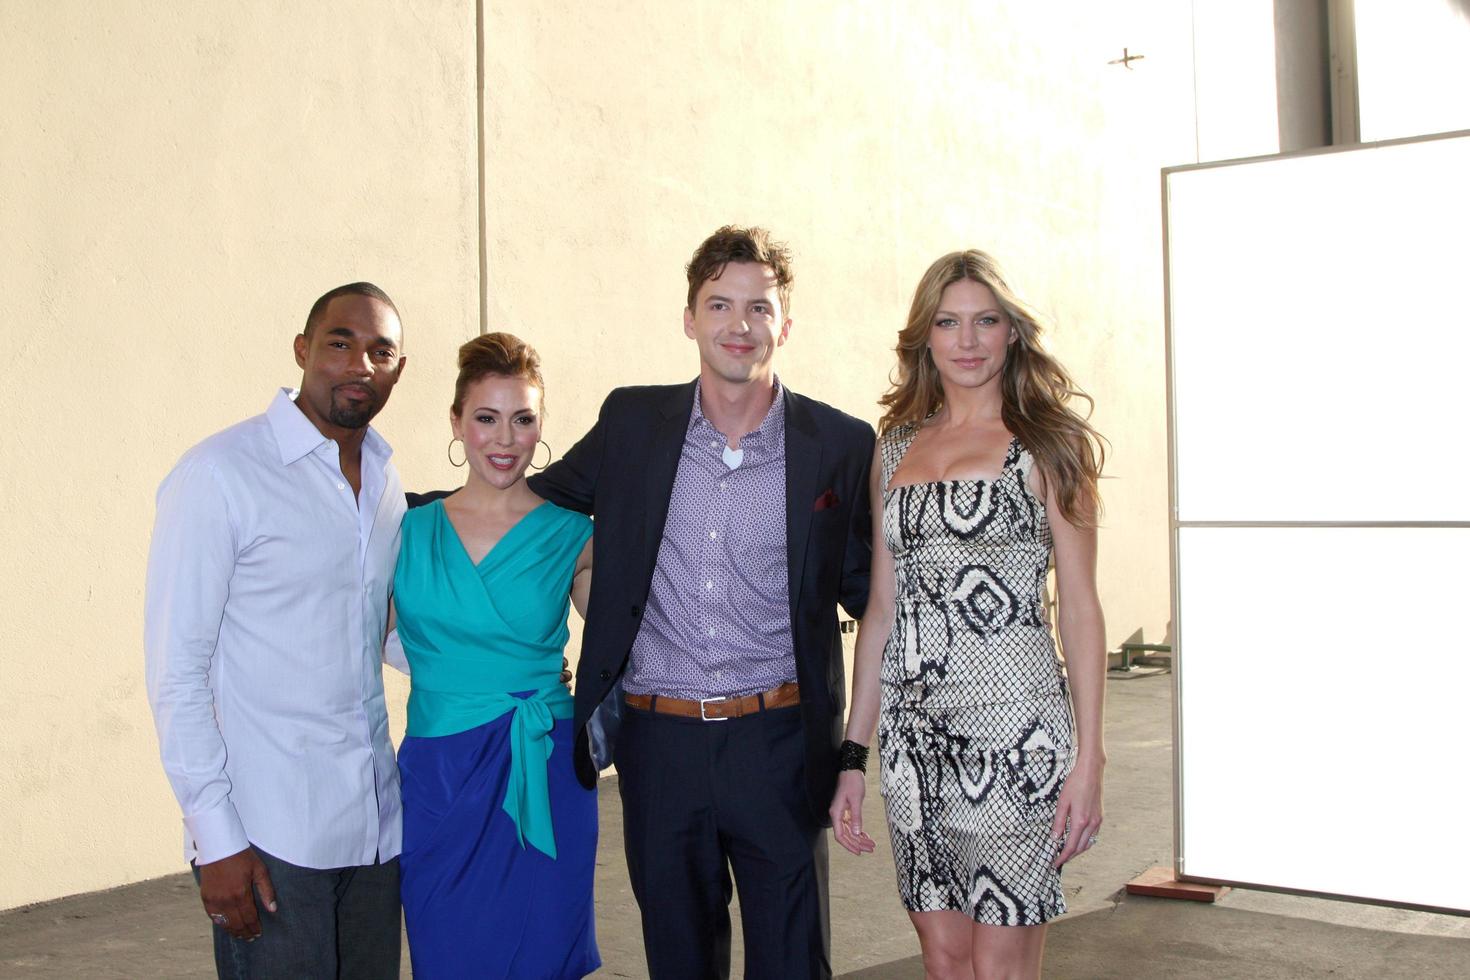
499,838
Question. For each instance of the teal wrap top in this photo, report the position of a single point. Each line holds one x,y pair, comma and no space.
477,635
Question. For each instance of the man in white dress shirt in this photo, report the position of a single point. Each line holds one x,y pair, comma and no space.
267,603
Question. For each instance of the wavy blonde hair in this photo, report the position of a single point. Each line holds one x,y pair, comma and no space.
1035,388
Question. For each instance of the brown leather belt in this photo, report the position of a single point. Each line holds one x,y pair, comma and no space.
718,709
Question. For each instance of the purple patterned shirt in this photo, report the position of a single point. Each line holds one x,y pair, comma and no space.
718,618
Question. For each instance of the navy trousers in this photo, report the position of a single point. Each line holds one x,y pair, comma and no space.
703,800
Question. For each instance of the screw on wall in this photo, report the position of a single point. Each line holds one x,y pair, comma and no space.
1127,60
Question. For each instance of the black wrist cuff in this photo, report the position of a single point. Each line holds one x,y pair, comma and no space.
851,755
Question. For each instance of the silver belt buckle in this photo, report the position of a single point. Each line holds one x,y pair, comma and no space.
705,701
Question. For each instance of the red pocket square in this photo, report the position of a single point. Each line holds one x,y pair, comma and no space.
827,499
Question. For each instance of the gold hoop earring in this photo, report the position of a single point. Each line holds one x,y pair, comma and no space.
542,442
449,451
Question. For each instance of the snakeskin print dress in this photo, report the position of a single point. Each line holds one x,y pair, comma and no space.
975,728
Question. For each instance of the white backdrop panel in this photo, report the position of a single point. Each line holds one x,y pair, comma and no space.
1320,336
1324,676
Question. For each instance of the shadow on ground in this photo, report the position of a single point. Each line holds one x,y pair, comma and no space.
1159,939
157,929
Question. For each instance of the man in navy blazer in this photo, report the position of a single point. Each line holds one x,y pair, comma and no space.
732,517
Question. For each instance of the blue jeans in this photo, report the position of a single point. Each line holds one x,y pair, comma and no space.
328,924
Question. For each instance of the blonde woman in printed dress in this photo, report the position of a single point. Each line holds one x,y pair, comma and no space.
992,753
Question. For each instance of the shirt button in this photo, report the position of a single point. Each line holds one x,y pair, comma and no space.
722,484
714,534
709,585
711,631
714,445
341,486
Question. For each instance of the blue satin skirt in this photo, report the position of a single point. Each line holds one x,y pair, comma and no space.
477,903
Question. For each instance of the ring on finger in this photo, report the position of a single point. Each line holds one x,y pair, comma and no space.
1092,840
219,918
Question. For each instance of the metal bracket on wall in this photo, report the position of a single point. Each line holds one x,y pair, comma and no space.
1129,659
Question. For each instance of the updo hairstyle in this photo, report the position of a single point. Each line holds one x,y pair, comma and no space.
503,355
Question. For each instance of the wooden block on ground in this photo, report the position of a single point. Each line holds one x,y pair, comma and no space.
1160,882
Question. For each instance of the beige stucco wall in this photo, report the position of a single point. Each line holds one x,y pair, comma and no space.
181,180
874,139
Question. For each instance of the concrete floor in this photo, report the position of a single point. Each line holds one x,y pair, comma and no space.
156,929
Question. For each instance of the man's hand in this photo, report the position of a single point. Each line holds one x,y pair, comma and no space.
228,887
566,674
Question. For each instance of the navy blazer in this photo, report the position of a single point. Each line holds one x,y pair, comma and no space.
622,473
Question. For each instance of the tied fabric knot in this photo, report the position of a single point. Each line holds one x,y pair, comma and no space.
527,790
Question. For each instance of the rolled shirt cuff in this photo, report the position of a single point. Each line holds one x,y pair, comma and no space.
216,833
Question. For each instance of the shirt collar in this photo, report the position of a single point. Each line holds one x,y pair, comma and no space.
296,435
775,415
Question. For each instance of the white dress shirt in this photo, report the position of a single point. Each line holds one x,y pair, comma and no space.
264,619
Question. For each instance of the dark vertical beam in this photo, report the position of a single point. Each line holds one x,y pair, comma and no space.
1342,39
1303,75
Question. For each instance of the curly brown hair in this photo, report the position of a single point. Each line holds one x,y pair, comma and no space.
1035,388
